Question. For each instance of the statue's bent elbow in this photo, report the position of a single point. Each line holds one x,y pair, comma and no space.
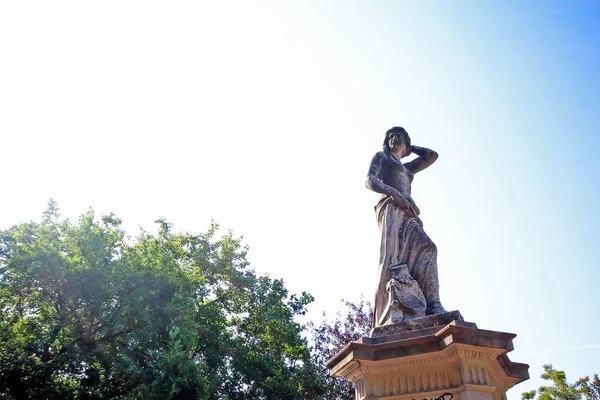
368,183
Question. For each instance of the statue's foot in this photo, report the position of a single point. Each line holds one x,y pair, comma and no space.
435,308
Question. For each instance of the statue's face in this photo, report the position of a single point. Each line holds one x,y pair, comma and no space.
399,148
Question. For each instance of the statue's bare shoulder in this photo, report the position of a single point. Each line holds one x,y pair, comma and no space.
377,164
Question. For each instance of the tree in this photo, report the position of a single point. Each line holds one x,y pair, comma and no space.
590,387
331,337
562,390
88,313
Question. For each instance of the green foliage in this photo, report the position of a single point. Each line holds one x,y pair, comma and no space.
560,389
87,313
590,387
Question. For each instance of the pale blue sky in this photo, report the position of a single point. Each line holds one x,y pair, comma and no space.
265,118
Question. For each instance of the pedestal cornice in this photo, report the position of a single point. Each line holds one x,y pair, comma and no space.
425,360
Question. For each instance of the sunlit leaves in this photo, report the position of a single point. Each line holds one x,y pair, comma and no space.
88,313
561,389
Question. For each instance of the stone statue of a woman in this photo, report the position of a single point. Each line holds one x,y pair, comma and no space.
408,284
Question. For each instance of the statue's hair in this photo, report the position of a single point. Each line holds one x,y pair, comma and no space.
393,136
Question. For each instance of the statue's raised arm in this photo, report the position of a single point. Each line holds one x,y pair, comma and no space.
408,281
425,159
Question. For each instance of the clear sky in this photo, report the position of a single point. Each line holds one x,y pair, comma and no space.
264,116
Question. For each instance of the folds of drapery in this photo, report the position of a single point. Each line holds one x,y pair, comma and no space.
403,241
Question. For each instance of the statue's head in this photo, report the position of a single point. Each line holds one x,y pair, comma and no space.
396,136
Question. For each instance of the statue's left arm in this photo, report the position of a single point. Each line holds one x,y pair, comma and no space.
425,159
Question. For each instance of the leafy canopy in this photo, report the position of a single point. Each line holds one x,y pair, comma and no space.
329,337
88,313
560,389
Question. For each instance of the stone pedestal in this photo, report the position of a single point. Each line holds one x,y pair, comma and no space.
428,357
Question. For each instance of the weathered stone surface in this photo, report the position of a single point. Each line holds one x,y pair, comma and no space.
405,297
423,359
408,284
414,325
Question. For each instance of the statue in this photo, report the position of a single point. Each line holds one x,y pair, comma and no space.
408,284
